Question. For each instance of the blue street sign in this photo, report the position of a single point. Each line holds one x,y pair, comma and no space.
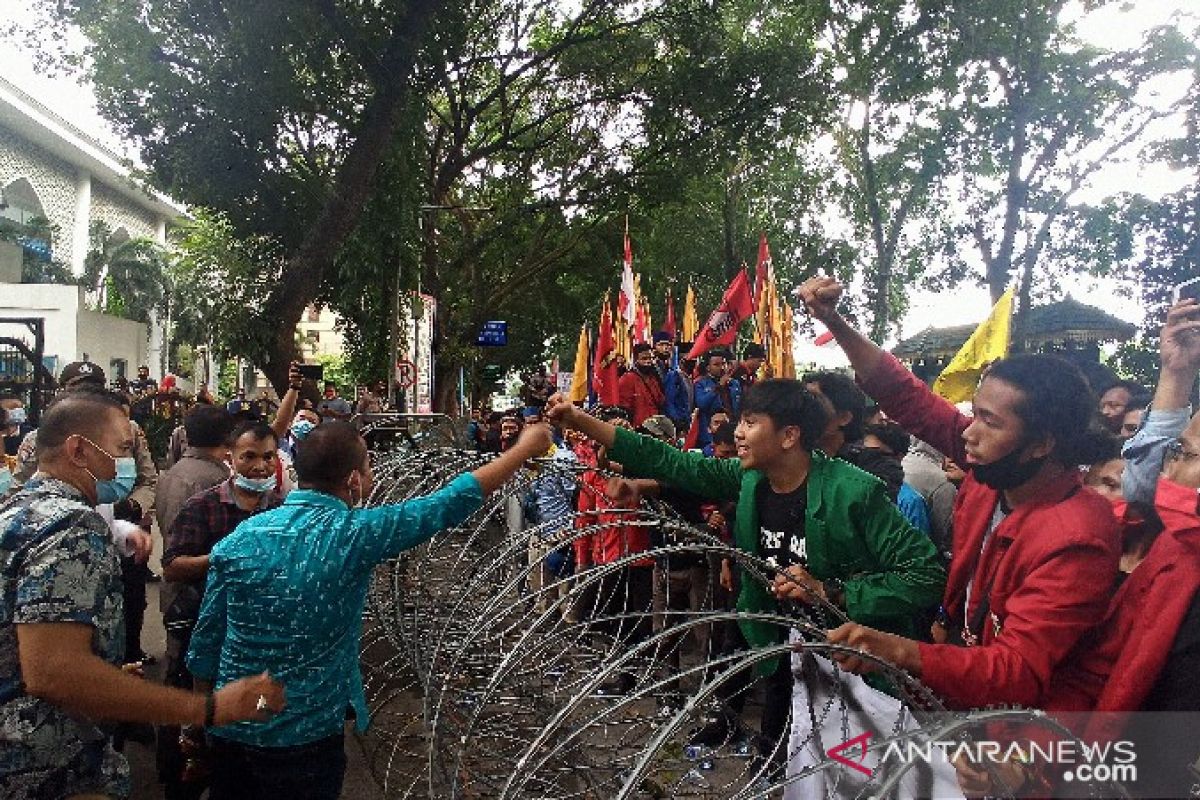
493,334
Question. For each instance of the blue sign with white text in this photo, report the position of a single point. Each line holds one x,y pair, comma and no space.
493,334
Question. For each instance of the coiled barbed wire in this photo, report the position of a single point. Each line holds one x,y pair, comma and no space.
485,681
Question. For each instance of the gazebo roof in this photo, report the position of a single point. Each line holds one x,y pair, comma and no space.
1054,323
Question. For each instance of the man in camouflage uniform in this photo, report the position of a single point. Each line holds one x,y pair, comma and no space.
61,628
135,508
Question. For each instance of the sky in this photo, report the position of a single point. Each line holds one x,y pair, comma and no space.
1115,26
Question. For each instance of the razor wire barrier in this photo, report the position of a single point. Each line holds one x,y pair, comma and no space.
488,676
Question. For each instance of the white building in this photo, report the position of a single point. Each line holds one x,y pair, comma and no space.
50,168
72,330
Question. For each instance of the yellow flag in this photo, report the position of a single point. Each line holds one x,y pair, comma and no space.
988,343
789,357
691,323
579,383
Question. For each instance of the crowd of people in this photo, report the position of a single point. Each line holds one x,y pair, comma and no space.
1040,549
1010,553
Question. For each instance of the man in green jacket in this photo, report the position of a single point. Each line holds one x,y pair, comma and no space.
826,526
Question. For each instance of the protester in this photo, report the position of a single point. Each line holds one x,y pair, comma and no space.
1119,398
746,373
62,621
923,471
1179,352
679,391
716,391
285,594
888,441
664,348
843,437
333,406
606,535
1035,556
641,389
804,513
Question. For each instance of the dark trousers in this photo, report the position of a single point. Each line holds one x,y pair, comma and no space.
627,597
312,771
777,698
133,585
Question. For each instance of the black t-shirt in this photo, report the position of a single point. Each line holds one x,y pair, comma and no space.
781,525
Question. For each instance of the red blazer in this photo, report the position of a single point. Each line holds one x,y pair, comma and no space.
1129,652
617,538
641,395
1047,572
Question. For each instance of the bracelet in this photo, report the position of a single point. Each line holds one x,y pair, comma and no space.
210,710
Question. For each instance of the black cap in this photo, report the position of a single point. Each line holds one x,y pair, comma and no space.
78,372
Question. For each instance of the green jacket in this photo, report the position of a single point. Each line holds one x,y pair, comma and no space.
854,533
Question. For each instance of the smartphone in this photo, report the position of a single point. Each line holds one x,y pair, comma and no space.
1187,289
313,372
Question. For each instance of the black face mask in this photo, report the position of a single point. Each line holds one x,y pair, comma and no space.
1008,472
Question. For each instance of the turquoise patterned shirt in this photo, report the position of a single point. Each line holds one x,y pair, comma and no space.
286,592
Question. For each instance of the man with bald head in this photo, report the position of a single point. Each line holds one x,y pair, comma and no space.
61,625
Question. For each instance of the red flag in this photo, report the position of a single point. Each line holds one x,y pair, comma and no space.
604,368
722,326
693,434
762,269
627,301
669,325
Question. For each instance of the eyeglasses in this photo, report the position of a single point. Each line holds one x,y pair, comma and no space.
1175,452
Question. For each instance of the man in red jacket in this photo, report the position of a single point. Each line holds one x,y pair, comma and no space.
1035,553
640,390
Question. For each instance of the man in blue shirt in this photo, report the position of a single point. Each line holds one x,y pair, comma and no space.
286,592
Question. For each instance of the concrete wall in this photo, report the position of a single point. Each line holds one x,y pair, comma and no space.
71,329
11,258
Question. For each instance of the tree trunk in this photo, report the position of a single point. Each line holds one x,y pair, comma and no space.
301,278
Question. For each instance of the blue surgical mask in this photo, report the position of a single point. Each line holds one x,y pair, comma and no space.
5,481
255,485
117,488
16,416
302,428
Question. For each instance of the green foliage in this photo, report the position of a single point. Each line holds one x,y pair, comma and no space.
217,278
127,276
1137,360
337,369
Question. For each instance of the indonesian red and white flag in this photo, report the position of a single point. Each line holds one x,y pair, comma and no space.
722,326
627,302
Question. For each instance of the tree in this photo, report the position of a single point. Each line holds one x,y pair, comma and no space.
1042,113
276,112
125,276
894,139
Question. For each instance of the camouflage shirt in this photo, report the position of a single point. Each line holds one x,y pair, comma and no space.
58,564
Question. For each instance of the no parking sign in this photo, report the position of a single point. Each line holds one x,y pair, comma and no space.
406,374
